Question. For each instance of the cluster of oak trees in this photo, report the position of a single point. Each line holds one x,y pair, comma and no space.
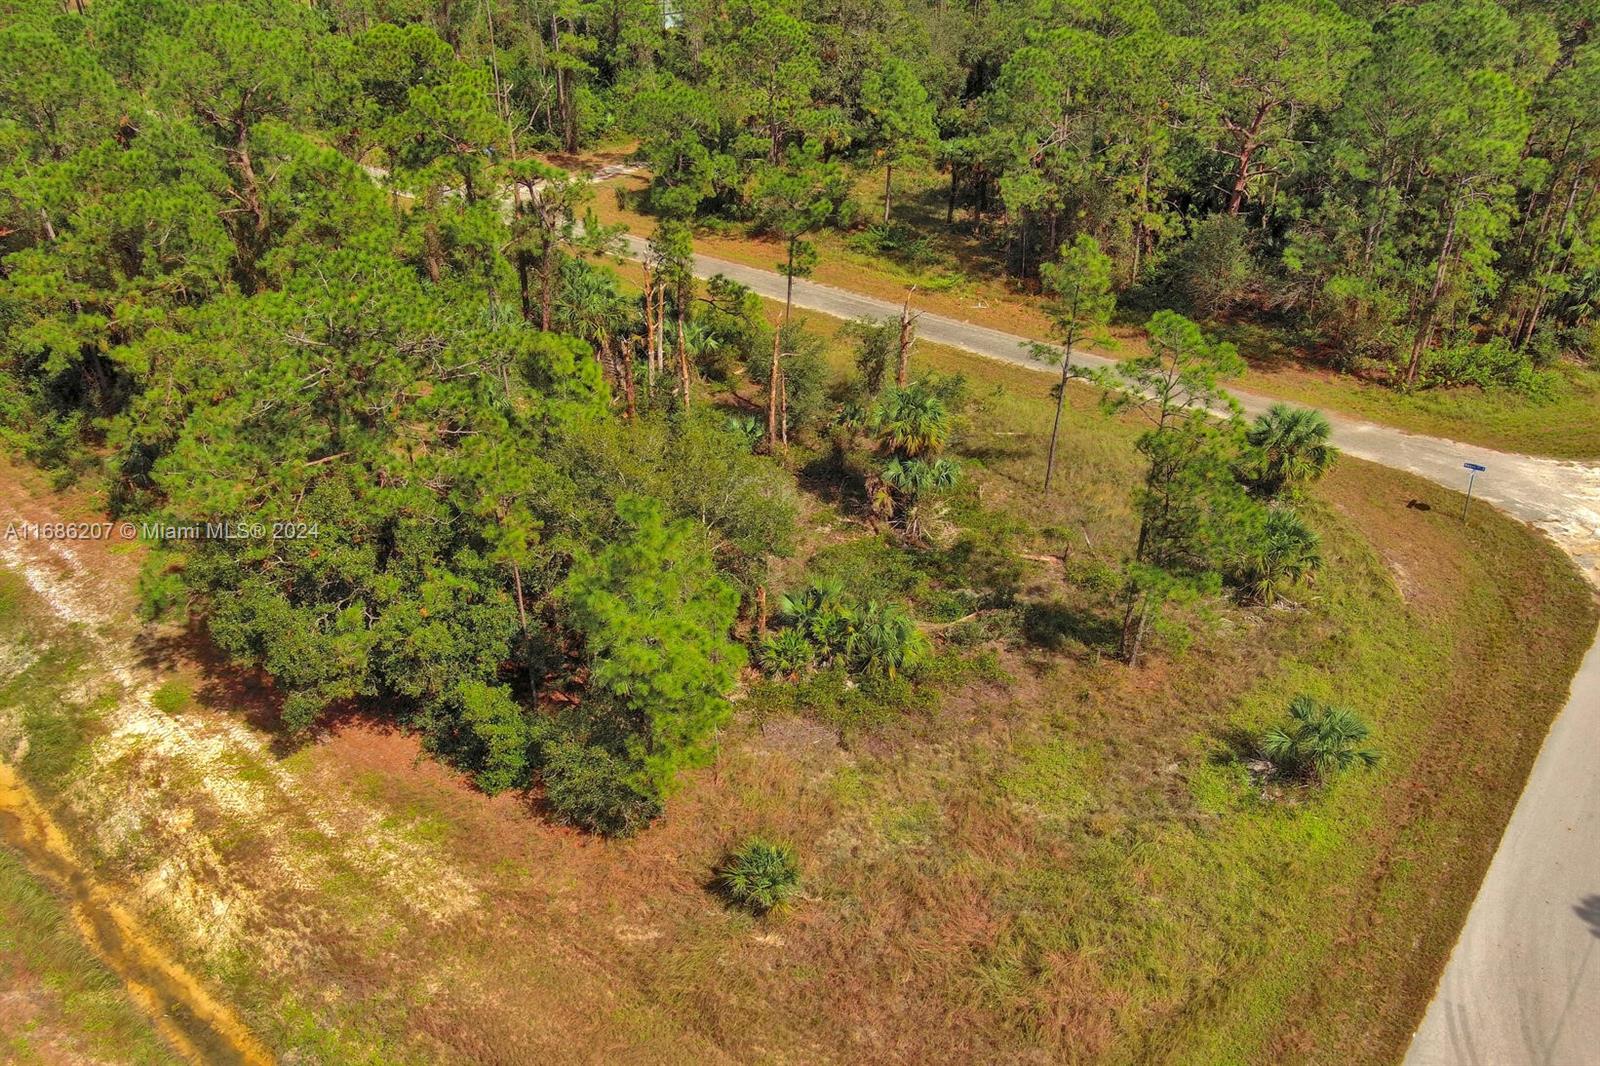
259,267
1413,183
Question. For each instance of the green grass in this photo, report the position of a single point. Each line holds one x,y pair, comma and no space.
1565,426
55,995
172,696
1042,856
1149,899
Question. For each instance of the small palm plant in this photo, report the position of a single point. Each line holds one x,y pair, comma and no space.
786,652
823,613
912,421
1289,552
887,641
912,481
1318,742
760,875
1292,449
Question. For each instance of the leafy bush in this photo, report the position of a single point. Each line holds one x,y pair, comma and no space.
1213,269
593,789
903,243
1290,448
760,875
824,624
806,376
823,614
497,735
1491,365
877,343
1318,741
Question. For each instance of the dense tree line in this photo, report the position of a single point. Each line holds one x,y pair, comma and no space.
294,265
1415,184
490,535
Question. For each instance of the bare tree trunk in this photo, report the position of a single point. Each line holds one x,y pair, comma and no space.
788,290
683,360
783,410
950,200
1425,327
1248,146
627,378
522,615
1061,401
524,268
649,335
907,335
1134,620
547,281
773,375
888,178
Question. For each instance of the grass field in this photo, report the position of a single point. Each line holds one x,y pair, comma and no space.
1060,859
58,1004
963,279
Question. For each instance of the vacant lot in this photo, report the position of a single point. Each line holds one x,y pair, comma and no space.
1057,859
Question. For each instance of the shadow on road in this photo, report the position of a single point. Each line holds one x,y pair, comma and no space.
1588,909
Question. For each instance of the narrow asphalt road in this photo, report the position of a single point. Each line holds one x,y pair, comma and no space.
1522,987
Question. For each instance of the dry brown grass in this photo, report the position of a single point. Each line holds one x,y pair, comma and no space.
1069,866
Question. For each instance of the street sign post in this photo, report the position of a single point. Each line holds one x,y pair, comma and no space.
1473,476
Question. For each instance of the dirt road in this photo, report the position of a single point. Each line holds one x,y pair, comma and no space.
1523,984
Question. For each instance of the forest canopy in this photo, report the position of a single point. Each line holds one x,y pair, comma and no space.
300,263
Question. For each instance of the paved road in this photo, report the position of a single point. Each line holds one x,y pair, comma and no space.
1522,987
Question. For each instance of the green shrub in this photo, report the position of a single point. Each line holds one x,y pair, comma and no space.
1491,365
823,614
497,735
1284,553
903,243
886,640
1318,741
593,789
760,875
786,652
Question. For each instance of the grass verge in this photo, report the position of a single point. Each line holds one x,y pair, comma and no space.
963,280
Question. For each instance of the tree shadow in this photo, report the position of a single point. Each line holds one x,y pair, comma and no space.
828,477
1234,747
990,452
1588,910
228,689
1053,625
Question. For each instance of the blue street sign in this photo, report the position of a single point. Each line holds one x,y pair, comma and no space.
1476,470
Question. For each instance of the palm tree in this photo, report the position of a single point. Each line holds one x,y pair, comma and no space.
912,421
912,480
1292,449
1288,552
1318,742
593,308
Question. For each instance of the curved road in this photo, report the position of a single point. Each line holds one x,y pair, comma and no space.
1522,987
